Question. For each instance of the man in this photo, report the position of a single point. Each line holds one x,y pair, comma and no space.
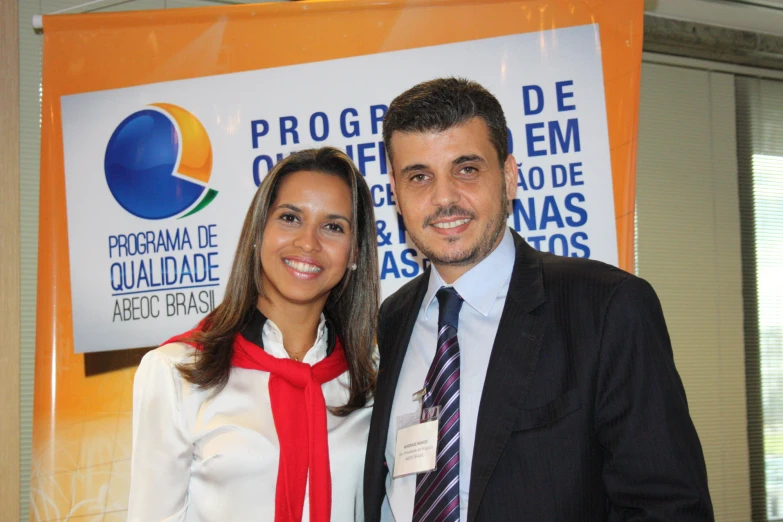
559,396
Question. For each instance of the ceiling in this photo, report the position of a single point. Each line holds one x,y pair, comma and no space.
761,16
775,4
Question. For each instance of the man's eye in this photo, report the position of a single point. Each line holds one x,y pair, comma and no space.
417,178
469,170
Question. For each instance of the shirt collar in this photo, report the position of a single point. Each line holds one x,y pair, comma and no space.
479,286
258,325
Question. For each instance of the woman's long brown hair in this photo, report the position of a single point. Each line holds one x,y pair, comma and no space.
352,305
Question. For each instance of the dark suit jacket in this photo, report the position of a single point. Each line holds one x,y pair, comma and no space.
583,416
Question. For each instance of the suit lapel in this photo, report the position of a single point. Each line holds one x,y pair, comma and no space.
511,368
397,324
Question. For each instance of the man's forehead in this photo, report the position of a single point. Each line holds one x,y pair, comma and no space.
459,140
475,125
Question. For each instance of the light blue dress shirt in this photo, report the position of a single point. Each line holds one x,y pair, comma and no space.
484,288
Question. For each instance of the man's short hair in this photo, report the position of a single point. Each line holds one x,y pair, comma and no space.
443,103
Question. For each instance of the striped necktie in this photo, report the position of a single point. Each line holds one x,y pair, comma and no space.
437,491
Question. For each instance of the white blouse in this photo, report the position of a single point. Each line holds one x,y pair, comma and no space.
199,457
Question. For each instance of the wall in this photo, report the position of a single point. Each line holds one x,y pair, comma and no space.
689,250
9,257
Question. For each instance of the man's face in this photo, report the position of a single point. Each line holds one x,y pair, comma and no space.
452,193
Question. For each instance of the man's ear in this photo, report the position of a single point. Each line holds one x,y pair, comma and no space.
510,174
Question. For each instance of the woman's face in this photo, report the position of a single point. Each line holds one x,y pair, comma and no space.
306,246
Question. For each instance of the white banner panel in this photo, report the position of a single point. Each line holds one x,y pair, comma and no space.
159,176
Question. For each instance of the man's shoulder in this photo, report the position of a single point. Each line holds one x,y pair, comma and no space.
581,270
562,269
587,280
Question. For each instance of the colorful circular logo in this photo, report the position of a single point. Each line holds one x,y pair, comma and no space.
158,163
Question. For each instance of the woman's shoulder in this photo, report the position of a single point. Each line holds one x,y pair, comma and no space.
166,357
158,375
171,353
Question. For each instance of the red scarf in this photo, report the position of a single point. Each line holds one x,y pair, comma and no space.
303,442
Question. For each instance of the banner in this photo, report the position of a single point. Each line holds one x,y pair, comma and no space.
203,102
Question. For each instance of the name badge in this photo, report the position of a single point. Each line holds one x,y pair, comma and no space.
416,449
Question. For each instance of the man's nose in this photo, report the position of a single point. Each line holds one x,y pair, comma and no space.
444,192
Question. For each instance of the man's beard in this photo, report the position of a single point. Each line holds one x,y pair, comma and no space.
473,253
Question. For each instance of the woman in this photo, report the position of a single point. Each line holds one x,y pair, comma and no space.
261,413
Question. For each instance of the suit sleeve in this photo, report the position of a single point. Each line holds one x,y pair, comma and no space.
374,471
653,463
162,452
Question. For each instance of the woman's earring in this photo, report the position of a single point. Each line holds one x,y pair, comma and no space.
353,266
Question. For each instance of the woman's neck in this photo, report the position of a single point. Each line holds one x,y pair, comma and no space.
298,324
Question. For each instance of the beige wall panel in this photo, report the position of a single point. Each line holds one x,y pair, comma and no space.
9,258
689,249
